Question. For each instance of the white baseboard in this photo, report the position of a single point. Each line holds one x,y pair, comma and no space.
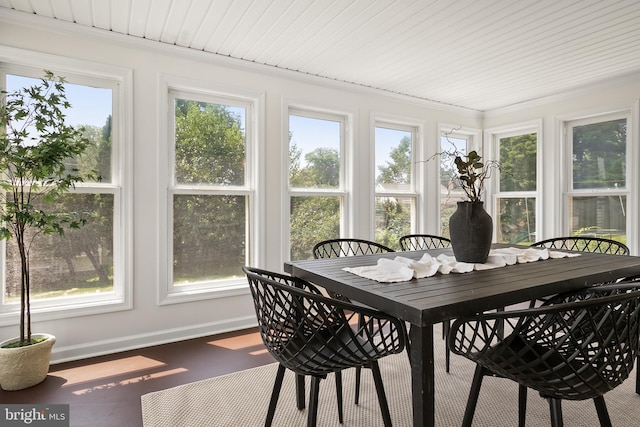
131,342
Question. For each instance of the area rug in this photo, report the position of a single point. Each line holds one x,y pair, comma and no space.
241,400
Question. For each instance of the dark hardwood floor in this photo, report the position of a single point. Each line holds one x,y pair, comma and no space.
105,391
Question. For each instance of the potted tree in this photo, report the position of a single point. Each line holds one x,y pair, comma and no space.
37,149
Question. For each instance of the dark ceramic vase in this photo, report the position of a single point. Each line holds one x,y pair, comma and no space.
471,231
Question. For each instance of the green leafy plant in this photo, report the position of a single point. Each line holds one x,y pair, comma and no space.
37,150
472,173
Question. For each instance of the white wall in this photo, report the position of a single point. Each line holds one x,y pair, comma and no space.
148,323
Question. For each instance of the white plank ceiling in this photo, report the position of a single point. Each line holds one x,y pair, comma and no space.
479,54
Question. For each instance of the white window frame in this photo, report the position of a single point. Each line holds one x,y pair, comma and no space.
416,187
493,191
631,170
253,102
345,120
119,80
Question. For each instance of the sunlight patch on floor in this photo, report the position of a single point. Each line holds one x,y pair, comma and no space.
130,381
108,369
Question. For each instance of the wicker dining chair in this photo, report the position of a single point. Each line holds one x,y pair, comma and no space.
584,244
422,242
576,346
336,248
314,335
590,244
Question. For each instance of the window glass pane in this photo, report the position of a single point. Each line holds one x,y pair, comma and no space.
393,159
210,143
598,216
518,158
314,149
450,193
91,108
599,155
313,219
209,236
393,219
79,262
516,220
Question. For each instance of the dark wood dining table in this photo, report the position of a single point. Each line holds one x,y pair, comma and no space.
428,301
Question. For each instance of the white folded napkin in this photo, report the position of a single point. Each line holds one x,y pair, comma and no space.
448,264
426,266
386,270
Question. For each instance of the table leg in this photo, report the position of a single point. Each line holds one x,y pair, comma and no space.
422,375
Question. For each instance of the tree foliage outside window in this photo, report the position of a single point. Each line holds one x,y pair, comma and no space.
314,168
80,262
209,221
516,203
599,155
598,165
393,212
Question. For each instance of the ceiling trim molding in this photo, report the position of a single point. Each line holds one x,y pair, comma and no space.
16,17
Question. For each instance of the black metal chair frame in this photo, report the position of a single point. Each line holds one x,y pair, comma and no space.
584,244
575,346
590,244
419,242
335,248
422,242
314,335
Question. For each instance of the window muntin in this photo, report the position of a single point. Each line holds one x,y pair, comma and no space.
395,195
515,208
209,194
83,266
316,179
597,193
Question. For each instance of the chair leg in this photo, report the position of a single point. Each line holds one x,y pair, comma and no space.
382,398
274,395
312,416
638,374
603,414
300,391
474,392
338,375
522,406
555,405
358,374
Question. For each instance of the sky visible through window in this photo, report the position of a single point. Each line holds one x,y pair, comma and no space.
89,105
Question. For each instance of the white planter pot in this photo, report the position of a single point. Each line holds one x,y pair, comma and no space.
24,367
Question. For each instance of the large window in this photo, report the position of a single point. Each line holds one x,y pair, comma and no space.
395,193
84,267
453,140
516,193
209,192
598,188
316,179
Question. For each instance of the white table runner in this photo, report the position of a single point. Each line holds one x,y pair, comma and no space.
402,269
